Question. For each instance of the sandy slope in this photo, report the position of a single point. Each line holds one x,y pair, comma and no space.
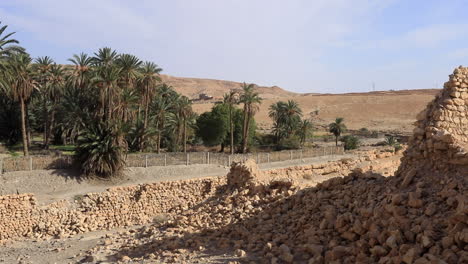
384,110
375,111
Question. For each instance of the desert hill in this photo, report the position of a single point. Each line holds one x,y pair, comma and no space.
378,110
192,87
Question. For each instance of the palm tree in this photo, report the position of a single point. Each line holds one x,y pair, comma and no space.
305,130
101,149
292,115
80,75
105,57
251,100
160,108
276,112
184,109
54,93
42,68
149,78
337,128
19,80
129,66
7,44
107,80
231,99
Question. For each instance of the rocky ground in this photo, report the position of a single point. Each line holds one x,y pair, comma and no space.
362,218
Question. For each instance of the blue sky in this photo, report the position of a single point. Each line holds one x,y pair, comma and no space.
322,46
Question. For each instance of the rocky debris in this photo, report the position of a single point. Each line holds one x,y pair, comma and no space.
362,218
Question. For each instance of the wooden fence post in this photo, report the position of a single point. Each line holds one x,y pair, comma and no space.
146,161
208,157
188,159
229,160
290,155
268,157
165,159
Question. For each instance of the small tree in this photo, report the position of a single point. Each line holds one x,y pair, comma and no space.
393,142
337,128
304,131
212,128
350,142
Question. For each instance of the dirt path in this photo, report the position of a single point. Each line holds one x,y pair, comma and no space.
54,185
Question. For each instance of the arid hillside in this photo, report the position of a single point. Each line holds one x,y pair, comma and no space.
381,110
192,87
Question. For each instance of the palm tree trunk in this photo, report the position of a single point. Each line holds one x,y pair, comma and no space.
185,135
23,128
146,102
50,129
109,102
158,147
28,130
46,125
145,122
244,126
246,136
231,124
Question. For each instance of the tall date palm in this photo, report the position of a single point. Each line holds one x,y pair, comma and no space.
19,80
251,100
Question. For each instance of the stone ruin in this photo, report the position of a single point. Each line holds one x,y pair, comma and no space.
440,139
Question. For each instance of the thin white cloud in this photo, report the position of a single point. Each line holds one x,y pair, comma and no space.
431,36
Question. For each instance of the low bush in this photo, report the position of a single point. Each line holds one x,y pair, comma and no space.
350,142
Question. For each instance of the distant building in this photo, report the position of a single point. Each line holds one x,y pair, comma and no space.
204,96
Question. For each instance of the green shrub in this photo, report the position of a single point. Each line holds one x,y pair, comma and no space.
398,147
101,150
350,142
289,143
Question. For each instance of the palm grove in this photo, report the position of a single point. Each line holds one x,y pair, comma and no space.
106,104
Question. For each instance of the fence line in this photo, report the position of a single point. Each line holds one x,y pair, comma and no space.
169,159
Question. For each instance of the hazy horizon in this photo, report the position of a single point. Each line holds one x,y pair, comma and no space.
302,46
